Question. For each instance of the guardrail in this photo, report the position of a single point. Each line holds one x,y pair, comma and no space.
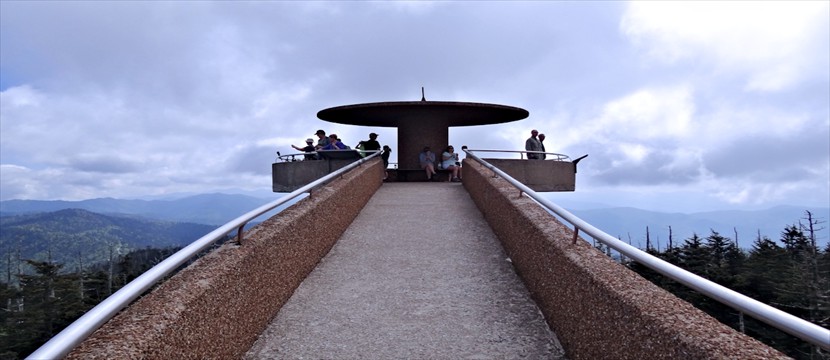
61,344
779,319
292,157
554,156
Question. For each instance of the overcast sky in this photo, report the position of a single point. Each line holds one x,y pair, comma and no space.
681,106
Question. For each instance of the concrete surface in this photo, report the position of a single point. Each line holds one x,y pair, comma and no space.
217,307
418,274
599,308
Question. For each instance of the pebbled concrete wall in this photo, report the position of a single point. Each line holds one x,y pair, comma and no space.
599,309
216,307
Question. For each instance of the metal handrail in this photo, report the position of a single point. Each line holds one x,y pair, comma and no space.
779,319
61,344
558,157
293,156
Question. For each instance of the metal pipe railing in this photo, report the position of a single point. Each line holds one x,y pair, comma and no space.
779,319
292,157
61,344
556,156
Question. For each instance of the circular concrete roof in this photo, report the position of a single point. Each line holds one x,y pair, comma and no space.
393,114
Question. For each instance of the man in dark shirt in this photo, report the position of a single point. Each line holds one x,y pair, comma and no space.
370,145
322,141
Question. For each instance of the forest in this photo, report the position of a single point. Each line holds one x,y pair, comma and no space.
791,274
38,306
57,265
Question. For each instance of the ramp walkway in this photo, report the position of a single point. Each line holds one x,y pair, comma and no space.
418,274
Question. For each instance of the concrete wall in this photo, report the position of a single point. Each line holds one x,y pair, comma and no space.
539,175
216,307
292,175
599,309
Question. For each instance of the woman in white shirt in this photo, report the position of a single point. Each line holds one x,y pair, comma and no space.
448,162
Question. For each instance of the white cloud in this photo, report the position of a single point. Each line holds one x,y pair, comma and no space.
648,113
772,43
127,99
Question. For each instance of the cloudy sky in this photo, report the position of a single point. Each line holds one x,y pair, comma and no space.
681,106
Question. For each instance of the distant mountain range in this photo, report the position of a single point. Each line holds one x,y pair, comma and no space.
621,222
75,236
209,209
630,224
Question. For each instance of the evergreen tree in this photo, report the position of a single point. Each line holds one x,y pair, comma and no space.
693,255
717,268
762,268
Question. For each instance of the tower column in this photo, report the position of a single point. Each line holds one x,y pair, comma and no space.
414,135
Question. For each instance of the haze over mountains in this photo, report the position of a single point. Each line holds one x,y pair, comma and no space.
208,209
628,224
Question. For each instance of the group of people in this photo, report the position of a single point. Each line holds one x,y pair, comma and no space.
332,142
449,161
535,145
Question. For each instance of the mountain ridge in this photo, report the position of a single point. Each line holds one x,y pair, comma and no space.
210,209
630,223
622,222
77,236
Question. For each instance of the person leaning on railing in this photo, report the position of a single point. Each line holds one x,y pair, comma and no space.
335,144
308,149
370,145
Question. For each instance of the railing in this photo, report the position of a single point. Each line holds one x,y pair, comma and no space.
61,344
292,157
554,156
781,320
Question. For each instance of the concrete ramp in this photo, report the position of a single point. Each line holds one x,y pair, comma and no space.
418,274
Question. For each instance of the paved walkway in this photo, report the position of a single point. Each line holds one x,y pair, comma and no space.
419,274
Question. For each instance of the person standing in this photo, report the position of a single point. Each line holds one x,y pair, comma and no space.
542,142
533,144
427,160
322,140
371,145
308,149
385,156
335,143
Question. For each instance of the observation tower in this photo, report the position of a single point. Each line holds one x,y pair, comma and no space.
421,123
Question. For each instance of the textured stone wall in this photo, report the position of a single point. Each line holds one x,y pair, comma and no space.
599,309
216,307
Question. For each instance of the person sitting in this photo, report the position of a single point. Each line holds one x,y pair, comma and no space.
308,149
427,160
335,143
449,161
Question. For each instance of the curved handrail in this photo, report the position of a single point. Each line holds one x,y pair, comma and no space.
782,320
557,156
61,344
293,156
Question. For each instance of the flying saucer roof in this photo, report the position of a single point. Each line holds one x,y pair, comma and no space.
393,114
